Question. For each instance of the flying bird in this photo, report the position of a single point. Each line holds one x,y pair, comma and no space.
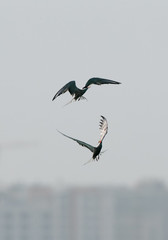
95,150
78,93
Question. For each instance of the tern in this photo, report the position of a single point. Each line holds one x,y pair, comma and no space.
78,93
95,150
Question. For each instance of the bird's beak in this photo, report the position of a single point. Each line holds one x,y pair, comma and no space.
86,87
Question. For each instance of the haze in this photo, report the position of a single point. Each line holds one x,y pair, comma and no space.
44,45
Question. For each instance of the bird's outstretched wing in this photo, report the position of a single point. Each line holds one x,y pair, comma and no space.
71,87
103,127
91,148
99,81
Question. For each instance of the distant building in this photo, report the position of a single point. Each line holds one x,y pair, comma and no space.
86,213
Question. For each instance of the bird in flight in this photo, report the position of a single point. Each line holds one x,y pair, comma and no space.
78,93
95,150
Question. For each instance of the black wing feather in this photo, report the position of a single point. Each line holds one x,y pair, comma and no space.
70,86
83,144
100,81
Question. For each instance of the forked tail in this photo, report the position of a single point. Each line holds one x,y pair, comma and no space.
103,151
69,102
82,98
90,160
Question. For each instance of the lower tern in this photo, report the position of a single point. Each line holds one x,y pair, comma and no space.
95,150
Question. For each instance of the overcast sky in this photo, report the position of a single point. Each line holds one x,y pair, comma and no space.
47,43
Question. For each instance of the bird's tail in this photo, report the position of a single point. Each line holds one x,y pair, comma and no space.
69,102
82,98
90,160
103,151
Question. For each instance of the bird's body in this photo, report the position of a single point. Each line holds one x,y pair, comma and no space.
95,150
73,90
78,93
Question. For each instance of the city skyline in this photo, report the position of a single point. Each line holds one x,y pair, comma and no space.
80,213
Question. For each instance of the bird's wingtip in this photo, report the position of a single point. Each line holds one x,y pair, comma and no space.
58,131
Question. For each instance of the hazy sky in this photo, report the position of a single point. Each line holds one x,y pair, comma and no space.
45,44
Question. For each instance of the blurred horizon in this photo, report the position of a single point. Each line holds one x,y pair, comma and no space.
84,213
65,185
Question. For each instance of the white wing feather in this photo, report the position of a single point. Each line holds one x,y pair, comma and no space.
103,128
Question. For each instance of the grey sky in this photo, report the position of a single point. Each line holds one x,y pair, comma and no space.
45,44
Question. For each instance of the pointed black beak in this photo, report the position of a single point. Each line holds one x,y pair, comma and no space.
85,87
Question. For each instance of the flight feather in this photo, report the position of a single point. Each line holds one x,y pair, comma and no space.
83,144
99,81
103,127
70,86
